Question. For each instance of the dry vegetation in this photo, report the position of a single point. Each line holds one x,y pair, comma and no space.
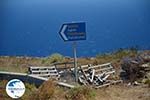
122,92
21,64
49,90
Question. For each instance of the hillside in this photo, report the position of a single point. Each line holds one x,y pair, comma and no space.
49,90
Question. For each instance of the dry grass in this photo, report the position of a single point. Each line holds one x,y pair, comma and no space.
3,94
21,64
49,91
81,93
121,92
18,64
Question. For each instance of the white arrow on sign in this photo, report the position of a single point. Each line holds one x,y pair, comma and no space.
62,32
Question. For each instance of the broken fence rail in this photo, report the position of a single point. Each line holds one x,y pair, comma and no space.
97,75
99,69
44,71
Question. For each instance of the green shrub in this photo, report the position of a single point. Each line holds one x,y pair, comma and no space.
56,57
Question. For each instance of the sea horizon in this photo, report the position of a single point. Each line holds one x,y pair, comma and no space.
31,27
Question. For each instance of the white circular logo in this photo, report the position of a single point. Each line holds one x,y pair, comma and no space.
15,88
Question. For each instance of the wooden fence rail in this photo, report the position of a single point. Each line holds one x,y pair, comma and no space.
44,71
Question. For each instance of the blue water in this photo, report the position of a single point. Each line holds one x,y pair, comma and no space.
30,27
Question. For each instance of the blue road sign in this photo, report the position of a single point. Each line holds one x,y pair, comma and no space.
73,31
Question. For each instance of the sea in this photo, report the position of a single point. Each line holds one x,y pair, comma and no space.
31,27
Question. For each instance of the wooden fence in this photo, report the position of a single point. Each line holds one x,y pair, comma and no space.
44,71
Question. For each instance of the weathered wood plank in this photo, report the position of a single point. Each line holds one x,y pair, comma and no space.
47,72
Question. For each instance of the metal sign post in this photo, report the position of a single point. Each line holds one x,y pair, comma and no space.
75,61
73,32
